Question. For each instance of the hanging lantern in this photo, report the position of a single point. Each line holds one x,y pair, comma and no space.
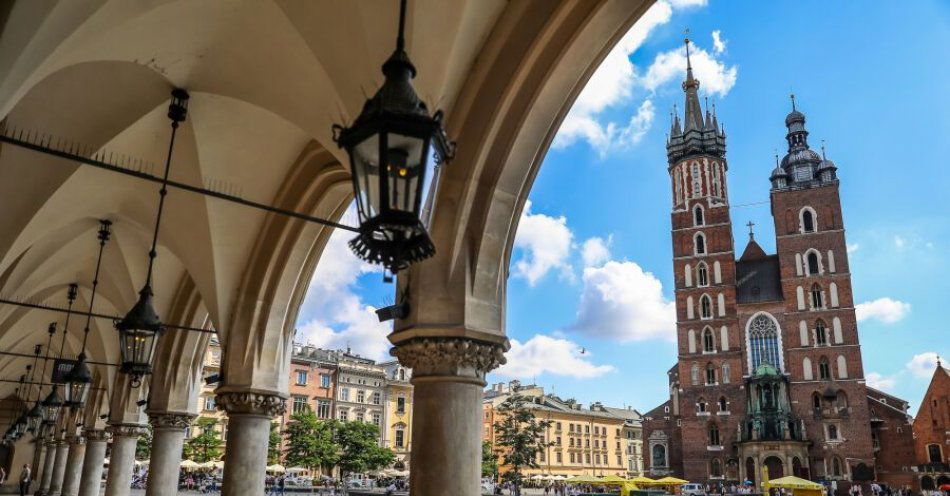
19,427
51,406
138,334
77,383
34,418
140,329
392,146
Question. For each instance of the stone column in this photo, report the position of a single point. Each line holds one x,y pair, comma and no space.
74,462
59,468
168,437
124,438
91,482
39,454
448,375
48,464
249,418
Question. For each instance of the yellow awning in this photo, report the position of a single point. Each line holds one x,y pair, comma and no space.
585,479
670,481
791,482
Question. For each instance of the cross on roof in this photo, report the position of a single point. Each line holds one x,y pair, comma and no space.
751,234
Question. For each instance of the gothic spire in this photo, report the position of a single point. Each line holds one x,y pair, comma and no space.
694,113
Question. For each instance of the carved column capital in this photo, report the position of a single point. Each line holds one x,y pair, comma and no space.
127,430
96,435
245,403
454,359
75,440
170,420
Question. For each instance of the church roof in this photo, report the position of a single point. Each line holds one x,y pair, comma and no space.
758,278
752,252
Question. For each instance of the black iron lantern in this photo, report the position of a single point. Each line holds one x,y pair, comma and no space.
51,406
140,329
79,378
391,146
78,382
138,334
19,427
34,418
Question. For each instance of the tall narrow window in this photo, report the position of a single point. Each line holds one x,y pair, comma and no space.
821,333
713,435
816,401
698,219
701,406
694,374
817,301
836,467
763,342
824,370
710,374
705,307
725,372
723,404
814,268
677,187
700,244
697,181
709,342
702,275
715,468
808,221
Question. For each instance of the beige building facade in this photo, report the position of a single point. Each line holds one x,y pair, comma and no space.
596,440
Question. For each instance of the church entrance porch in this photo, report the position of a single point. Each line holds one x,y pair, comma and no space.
780,457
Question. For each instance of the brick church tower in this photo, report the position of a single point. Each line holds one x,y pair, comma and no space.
769,373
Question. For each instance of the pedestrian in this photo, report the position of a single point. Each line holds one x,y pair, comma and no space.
391,489
280,485
3,476
25,478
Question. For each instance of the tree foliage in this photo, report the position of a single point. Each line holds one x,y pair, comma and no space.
489,460
519,434
310,441
206,446
359,449
143,446
273,444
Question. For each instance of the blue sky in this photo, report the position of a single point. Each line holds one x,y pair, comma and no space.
589,299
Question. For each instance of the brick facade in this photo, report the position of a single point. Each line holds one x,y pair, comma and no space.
932,432
769,370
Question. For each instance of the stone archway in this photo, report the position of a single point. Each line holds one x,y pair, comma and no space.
775,466
750,474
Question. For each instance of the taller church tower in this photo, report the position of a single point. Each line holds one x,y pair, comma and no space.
710,361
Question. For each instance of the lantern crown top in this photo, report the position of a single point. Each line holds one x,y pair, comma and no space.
143,315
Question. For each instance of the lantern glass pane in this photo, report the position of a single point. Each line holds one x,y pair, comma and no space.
365,160
137,346
406,171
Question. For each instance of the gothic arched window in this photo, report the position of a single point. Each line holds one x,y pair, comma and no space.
763,341
814,267
713,435
817,301
710,374
698,219
816,401
701,405
824,370
678,186
705,307
836,467
700,242
709,342
808,220
723,404
697,181
702,275
821,333
659,455
715,468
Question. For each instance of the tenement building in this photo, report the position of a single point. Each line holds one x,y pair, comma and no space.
769,370
598,440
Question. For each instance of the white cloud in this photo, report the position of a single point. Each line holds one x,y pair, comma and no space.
682,4
719,44
595,251
714,76
620,301
923,364
881,382
885,310
336,317
546,245
544,354
853,247
899,242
